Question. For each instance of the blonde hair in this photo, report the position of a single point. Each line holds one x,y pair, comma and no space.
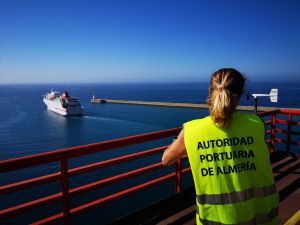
225,89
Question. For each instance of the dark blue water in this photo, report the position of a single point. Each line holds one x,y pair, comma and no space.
26,128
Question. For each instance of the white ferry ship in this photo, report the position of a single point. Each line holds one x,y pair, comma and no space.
63,104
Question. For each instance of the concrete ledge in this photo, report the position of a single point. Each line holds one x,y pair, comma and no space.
173,104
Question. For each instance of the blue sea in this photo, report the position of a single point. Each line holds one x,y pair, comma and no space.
26,128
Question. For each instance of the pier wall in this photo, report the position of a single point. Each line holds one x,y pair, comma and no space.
172,104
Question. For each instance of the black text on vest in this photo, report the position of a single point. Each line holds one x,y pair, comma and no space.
225,142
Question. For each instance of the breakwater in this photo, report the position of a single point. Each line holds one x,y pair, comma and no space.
171,104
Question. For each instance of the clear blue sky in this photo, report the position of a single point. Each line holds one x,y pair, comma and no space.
147,41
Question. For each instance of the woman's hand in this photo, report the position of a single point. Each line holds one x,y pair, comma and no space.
175,151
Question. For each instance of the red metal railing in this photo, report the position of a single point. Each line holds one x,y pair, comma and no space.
64,155
65,173
272,128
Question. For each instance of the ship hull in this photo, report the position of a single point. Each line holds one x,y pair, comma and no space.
56,107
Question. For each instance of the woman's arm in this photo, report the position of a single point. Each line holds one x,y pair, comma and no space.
175,151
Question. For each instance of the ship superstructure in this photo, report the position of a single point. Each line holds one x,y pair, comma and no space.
63,104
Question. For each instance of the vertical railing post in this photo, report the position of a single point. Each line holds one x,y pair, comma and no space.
65,191
178,176
289,130
272,141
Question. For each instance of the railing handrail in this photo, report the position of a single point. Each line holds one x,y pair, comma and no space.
295,112
268,113
18,186
289,111
72,152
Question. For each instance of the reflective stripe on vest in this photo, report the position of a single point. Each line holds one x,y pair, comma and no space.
228,198
259,218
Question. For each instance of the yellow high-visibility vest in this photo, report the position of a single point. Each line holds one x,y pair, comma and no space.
232,172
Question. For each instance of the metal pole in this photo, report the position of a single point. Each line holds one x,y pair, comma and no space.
289,130
178,176
272,141
65,191
255,104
